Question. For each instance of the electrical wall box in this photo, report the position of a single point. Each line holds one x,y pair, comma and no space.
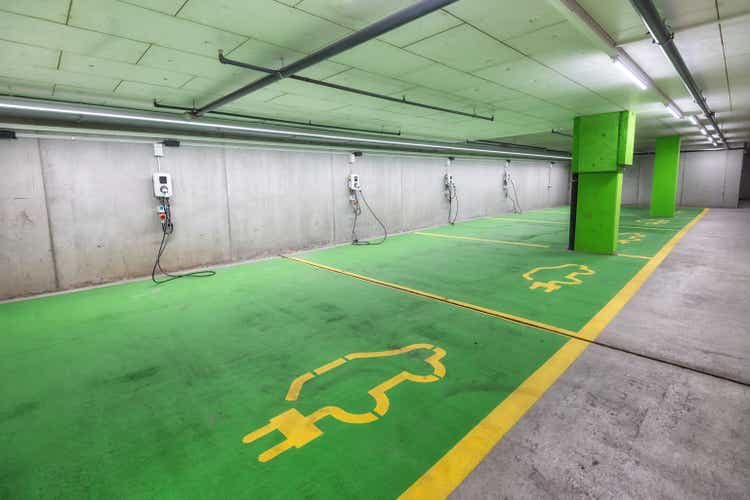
448,180
158,149
162,185
353,182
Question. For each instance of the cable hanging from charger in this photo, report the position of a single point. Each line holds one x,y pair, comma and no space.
511,189
357,212
355,193
451,193
167,228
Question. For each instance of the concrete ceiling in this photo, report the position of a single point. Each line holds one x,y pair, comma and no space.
522,62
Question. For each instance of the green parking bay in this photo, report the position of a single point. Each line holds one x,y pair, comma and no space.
143,391
138,389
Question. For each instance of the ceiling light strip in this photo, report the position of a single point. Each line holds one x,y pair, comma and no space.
639,82
582,19
273,132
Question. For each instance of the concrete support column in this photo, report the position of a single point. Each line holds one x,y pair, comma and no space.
666,172
602,145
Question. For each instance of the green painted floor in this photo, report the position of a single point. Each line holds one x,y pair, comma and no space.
141,391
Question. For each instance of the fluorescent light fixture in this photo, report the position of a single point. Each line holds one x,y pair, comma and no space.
674,111
270,131
693,120
630,74
703,131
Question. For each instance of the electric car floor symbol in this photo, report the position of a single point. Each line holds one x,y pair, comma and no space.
626,238
552,285
652,222
298,429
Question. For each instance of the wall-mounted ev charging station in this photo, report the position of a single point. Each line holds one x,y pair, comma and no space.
163,191
162,185
354,184
449,190
511,189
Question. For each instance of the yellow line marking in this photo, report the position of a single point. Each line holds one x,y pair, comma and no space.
392,352
470,238
552,285
631,256
516,243
530,220
490,312
568,223
596,324
296,386
329,366
299,430
448,472
650,228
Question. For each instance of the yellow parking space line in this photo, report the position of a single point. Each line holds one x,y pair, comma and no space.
631,256
448,472
533,221
473,307
471,238
651,227
536,221
601,319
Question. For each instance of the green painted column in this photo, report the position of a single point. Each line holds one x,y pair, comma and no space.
666,171
602,145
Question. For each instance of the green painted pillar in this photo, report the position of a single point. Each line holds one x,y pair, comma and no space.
666,170
602,145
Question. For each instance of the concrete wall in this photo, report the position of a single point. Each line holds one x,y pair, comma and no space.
75,213
707,179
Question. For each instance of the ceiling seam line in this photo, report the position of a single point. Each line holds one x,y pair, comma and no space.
542,64
243,42
67,15
405,48
121,36
411,85
505,86
192,77
425,38
418,55
143,55
180,9
345,27
185,19
103,59
486,80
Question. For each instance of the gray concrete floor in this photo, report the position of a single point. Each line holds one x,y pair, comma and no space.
617,425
